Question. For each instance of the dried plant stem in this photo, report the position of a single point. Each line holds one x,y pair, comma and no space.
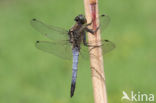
97,66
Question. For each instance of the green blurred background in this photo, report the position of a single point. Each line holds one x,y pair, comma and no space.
28,75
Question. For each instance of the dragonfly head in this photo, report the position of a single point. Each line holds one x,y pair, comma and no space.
80,19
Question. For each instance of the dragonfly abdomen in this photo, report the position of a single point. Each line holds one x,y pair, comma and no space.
74,69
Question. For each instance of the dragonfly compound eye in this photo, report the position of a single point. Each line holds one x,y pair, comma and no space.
76,19
80,19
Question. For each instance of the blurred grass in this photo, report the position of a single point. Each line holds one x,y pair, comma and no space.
28,75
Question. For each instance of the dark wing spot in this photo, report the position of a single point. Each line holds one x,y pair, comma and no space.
34,19
106,40
103,15
37,41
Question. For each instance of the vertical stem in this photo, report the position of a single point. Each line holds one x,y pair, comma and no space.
97,66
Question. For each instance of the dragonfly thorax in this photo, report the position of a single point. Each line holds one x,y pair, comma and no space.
75,38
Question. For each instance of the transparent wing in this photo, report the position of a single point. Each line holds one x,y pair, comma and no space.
84,52
50,31
106,46
61,49
104,21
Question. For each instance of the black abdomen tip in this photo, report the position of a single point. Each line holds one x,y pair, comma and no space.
103,15
34,19
72,89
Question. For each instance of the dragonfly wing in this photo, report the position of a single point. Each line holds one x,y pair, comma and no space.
60,49
104,21
50,31
84,52
106,46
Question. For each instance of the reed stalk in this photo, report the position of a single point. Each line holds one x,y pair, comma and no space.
96,64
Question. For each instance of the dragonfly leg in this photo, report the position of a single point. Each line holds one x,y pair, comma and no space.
84,39
92,31
89,23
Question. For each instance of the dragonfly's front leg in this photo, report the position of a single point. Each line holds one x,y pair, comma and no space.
89,23
91,30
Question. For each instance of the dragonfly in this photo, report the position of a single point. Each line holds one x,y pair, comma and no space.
69,44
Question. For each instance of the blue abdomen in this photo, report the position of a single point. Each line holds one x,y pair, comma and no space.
74,69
